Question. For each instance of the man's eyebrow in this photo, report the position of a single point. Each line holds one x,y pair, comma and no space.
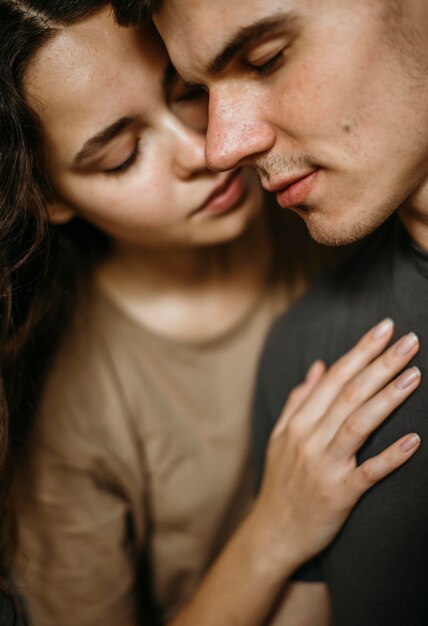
102,138
248,35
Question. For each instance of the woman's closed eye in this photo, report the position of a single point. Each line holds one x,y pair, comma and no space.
126,164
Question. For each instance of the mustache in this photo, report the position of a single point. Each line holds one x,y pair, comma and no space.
271,166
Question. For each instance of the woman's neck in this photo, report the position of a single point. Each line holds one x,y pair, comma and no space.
190,293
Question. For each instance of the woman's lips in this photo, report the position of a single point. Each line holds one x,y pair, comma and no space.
226,197
297,192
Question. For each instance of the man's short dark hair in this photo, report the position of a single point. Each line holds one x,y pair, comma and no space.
132,12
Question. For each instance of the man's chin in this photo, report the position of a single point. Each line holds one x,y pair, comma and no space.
333,239
329,232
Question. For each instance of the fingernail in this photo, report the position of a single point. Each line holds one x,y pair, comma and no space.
408,377
406,344
410,443
382,329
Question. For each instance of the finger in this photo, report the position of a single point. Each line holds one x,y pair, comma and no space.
369,381
378,467
360,425
315,372
345,368
299,395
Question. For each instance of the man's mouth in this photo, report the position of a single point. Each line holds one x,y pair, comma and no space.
293,190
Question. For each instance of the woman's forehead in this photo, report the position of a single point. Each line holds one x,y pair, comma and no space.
97,44
91,73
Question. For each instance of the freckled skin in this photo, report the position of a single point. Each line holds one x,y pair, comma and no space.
350,99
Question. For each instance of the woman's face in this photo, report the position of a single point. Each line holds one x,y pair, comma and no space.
125,145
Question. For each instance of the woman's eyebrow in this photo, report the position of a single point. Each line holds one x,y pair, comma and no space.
102,138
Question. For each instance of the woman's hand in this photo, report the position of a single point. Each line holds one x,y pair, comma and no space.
312,480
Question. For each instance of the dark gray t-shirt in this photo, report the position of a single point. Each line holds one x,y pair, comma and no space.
10,616
377,568
6,612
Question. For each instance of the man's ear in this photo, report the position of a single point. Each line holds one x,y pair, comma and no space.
60,213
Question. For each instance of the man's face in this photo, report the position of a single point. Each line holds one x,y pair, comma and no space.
326,99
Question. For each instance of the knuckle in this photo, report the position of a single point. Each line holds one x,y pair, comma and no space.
371,471
382,405
385,401
295,431
306,452
336,373
351,393
387,361
367,472
354,427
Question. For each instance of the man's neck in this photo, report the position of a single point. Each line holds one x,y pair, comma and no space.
414,215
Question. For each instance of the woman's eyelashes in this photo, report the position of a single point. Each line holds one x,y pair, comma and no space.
191,93
190,105
127,164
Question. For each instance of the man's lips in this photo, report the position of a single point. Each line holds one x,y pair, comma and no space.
225,196
293,190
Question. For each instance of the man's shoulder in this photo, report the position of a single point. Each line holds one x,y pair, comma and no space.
329,318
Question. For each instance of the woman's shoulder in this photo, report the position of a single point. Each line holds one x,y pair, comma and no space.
82,399
90,346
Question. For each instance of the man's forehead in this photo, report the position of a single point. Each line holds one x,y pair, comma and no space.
197,31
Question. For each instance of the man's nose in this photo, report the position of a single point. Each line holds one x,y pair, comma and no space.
237,134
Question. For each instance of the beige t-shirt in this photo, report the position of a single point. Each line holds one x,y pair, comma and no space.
142,445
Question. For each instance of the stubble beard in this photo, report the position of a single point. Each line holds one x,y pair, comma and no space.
321,226
325,232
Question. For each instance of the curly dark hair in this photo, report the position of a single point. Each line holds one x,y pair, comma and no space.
41,266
